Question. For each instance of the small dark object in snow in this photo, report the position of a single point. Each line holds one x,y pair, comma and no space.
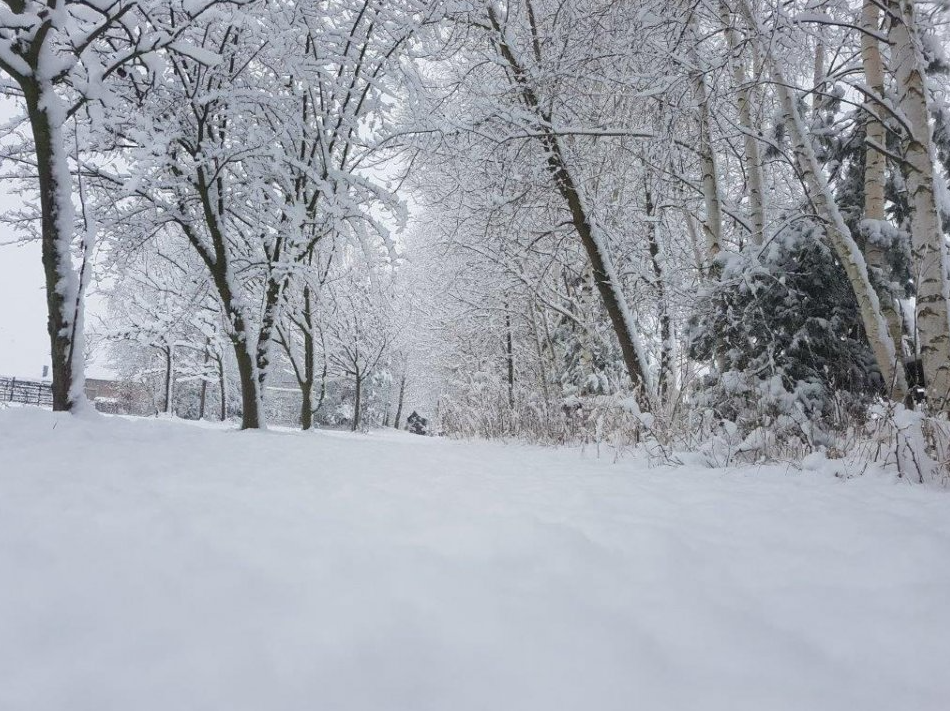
417,424
914,372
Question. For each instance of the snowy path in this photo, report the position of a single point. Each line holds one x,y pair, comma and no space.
158,566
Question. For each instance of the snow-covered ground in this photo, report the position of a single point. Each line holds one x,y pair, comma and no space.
151,565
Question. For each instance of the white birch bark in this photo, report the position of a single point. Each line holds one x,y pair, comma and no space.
928,246
751,150
874,160
712,225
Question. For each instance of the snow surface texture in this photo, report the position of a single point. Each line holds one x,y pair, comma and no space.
156,565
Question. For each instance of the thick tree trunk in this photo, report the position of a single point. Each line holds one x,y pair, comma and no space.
269,316
928,246
63,288
306,406
251,401
836,229
251,415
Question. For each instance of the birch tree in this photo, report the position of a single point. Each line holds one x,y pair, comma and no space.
875,163
929,248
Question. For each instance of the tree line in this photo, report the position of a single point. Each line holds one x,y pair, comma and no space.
691,213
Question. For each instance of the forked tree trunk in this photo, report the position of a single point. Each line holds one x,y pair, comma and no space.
303,372
928,245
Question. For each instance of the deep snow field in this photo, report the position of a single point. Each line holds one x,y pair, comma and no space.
154,565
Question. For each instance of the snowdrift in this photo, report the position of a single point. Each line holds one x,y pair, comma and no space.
155,565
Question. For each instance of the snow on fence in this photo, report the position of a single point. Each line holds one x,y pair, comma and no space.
28,392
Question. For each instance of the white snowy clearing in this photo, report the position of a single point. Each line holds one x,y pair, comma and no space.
153,565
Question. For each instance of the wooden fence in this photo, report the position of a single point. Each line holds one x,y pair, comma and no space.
28,392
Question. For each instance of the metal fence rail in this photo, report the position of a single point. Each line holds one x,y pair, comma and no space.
28,392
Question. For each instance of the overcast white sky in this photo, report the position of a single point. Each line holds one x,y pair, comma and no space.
24,345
